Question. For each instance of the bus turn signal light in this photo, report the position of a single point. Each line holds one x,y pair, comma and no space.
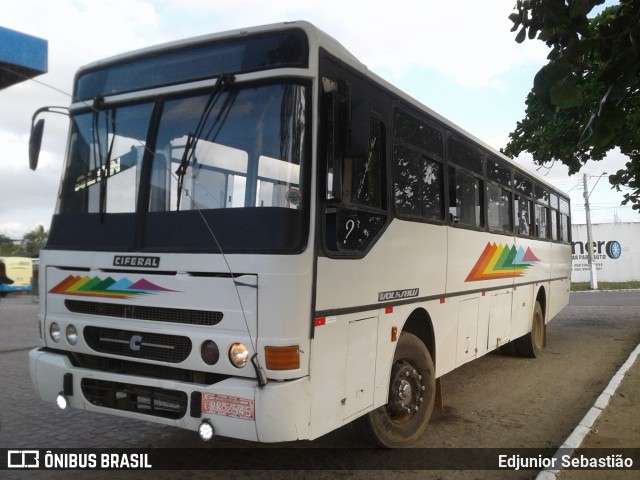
282,358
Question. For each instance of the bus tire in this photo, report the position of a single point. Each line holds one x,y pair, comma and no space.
412,390
531,344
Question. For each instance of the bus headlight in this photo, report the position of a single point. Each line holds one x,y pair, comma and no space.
238,355
210,352
72,335
54,332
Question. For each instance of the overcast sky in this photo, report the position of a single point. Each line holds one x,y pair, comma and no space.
458,58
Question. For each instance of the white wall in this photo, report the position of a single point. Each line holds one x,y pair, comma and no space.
616,252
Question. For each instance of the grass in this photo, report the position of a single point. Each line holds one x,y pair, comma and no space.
584,286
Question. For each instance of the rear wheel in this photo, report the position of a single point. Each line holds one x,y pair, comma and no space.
412,390
531,344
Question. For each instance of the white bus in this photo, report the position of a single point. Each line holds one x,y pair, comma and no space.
256,237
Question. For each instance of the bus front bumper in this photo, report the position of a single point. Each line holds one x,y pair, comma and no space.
235,407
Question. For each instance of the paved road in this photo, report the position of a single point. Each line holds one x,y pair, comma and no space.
607,299
496,401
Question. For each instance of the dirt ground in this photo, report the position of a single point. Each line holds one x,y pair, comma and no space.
515,402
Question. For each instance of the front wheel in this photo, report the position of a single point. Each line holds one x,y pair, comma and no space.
412,390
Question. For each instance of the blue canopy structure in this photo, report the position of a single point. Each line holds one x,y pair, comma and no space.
22,57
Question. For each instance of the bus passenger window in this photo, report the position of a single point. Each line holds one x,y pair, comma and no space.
366,173
499,209
565,221
554,225
355,223
465,198
523,215
565,226
554,216
541,221
418,185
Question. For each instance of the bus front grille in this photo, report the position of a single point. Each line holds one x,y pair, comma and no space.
145,345
158,402
141,312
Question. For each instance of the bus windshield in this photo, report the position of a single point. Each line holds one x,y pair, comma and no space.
160,162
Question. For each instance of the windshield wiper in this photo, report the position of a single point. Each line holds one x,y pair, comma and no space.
104,164
220,87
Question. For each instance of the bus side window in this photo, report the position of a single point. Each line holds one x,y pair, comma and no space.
554,216
418,174
418,185
465,198
499,209
542,217
565,221
352,225
363,176
523,215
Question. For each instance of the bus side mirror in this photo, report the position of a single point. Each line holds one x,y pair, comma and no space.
35,139
35,142
358,130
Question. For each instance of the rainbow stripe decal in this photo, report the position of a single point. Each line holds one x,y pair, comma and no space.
501,261
108,287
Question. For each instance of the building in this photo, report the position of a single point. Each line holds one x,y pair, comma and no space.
616,252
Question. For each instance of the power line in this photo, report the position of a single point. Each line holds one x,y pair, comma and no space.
39,82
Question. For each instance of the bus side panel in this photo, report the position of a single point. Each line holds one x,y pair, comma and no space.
408,256
471,261
343,370
524,296
558,296
522,310
466,347
484,312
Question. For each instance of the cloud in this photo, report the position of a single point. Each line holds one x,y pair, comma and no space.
78,32
467,40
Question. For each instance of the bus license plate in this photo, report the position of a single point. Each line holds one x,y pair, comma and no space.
228,406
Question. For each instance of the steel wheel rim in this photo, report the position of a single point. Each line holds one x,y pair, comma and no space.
405,391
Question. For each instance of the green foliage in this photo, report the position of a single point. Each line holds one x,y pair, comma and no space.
7,248
584,286
35,241
586,100
30,246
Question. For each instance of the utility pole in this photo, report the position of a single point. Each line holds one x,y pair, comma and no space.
593,279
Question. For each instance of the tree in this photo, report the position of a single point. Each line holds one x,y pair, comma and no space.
586,100
34,241
7,247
